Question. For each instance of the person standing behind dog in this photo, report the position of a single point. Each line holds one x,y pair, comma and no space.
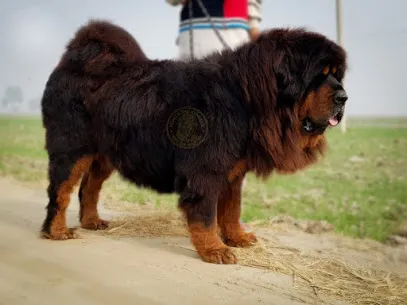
236,21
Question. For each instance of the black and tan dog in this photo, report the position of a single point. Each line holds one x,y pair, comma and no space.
194,128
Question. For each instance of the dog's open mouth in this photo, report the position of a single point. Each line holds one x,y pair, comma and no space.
333,121
318,127
336,118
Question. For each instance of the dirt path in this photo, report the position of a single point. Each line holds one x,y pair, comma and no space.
102,270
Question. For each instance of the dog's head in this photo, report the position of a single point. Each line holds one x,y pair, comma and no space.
309,69
296,86
323,103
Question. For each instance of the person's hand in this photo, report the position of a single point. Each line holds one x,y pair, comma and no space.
254,34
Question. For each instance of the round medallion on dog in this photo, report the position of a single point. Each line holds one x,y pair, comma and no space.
187,127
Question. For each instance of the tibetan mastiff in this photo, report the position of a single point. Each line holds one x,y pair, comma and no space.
190,127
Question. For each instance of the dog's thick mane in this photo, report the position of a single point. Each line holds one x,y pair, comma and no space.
269,89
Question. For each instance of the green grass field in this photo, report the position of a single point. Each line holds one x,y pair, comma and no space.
360,187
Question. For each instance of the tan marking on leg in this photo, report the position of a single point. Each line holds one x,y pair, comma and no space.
238,170
209,246
229,207
99,171
58,228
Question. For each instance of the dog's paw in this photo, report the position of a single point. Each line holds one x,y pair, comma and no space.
219,256
63,234
242,240
95,224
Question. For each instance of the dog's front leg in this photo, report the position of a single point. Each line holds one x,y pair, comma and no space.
200,212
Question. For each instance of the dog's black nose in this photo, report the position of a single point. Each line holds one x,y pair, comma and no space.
340,97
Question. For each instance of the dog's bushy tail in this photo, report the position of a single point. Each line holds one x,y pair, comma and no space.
99,47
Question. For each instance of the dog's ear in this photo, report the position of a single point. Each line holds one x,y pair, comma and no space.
289,78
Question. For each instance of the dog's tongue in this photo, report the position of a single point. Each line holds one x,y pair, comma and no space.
333,121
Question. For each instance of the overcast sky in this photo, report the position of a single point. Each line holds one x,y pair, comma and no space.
34,32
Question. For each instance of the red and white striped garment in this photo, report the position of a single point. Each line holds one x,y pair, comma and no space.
233,19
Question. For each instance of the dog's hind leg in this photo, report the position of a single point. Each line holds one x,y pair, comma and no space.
89,191
64,173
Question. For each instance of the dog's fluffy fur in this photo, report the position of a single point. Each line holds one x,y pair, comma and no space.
106,107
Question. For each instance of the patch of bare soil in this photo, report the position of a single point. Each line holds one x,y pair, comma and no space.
146,258
355,271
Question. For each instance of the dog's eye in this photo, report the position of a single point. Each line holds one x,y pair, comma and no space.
330,70
326,70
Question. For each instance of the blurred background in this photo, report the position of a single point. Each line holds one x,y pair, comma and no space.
34,32
360,187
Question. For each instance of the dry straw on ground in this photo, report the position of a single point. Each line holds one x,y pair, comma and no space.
151,224
325,275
